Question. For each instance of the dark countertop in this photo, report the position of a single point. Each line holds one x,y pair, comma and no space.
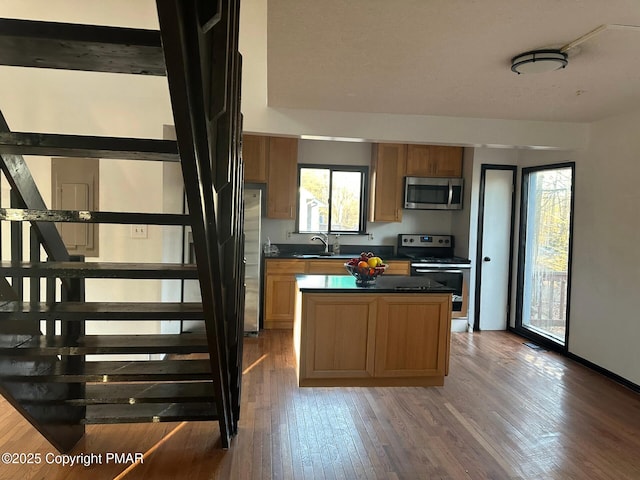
313,256
383,284
313,251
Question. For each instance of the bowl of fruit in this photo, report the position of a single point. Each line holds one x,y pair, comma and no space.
365,268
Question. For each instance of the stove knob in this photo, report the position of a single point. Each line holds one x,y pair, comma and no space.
411,240
440,241
446,241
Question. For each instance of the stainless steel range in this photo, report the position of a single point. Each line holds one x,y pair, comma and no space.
432,256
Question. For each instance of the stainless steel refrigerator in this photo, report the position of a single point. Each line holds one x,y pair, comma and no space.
252,248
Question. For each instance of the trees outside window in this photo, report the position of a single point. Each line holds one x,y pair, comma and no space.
331,199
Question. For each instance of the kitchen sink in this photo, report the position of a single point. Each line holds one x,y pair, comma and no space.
313,255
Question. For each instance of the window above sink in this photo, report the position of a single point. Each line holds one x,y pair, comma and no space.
331,199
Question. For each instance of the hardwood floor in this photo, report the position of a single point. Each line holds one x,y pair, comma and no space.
506,412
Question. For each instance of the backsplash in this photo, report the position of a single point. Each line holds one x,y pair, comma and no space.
384,251
380,233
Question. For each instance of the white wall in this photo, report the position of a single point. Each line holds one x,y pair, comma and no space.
604,326
123,13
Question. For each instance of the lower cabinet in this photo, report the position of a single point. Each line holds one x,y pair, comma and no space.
412,336
280,284
280,292
339,336
372,339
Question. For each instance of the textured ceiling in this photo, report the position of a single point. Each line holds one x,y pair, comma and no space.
452,57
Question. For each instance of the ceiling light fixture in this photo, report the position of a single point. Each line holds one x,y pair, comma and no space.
539,61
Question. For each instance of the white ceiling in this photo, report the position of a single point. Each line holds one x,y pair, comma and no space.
452,57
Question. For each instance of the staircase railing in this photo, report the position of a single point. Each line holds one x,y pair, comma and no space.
206,109
45,376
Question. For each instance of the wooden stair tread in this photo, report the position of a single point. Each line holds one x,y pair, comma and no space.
66,311
84,216
56,145
150,413
99,270
134,393
105,371
98,393
103,344
28,43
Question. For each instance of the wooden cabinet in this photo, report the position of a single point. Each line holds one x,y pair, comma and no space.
280,291
339,338
434,161
326,267
388,167
273,160
282,177
280,284
398,267
255,149
412,336
355,339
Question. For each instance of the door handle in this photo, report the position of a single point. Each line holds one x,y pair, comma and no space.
487,259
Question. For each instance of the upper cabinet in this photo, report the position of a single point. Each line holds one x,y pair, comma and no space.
255,149
434,161
282,177
273,160
388,168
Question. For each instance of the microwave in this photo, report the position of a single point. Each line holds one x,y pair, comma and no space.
430,193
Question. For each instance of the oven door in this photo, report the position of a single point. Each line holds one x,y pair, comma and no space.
449,277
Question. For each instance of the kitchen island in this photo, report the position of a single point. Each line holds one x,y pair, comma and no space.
393,333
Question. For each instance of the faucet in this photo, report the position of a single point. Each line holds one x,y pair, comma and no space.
324,238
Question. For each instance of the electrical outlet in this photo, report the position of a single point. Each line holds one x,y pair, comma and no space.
370,236
139,231
288,234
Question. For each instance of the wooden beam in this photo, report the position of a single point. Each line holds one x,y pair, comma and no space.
29,345
99,270
84,216
22,183
185,60
28,43
125,311
54,145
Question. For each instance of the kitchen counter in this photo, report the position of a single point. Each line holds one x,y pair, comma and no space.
317,255
316,251
381,335
383,284
340,256
280,282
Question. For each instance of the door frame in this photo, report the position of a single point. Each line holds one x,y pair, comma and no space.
483,174
543,340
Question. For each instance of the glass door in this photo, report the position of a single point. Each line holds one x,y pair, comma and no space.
545,253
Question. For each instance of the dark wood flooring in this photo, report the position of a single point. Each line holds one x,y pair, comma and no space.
506,412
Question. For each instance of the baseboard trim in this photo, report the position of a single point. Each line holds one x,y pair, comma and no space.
607,373
576,358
